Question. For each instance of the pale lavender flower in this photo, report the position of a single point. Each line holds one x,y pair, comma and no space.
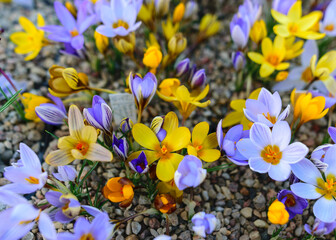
240,30
282,6
92,8
332,133
161,7
270,152
66,173
118,19
99,229
27,176
328,24
266,109
139,164
100,115
203,223
199,79
320,228
294,204
70,51
238,60
189,173
67,206
52,113
183,67
5,85
190,10
162,237
120,147
72,30
251,10
318,155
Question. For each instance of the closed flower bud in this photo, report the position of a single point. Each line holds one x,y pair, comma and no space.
178,12
258,31
203,223
277,213
152,57
161,7
126,125
199,79
209,26
190,10
238,60
125,44
177,44
102,42
240,30
139,164
165,203
119,189
169,29
156,126
182,67
120,147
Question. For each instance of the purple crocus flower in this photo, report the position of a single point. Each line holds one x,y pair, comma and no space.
182,67
119,19
156,126
66,173
140,164
67,205
270,151
203,223
189,173
250,9
92,7
72,30
266,109
238,60
126,125
332,133
190,10
99,229
120,147
100,115
199,79
229,142
52,113
70,51
294,204
320,228
27,176
282,6
240,30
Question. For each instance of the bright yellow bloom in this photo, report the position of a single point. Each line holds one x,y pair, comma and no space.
209,26
277,213
165,151
293,49
238,116
81,144
152,57
169,86
169,29
295,25
32,40
272,56
102,42
178,12
323,70
258,31
30,102
281,76
171,189
177,44
119,189
202,145
306,107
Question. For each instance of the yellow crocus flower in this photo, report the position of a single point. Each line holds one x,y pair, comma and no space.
258,31
209,26
293,49
171,189
169,29
295,25
178,12
203,145
277,213
32,40
30,102
152,57
272,57
102,42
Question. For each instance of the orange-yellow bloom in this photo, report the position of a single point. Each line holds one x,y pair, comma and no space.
178,12
277,213
152,57
202,145
281,76
165,203
258,31
102,42
119,189
81,144
30,102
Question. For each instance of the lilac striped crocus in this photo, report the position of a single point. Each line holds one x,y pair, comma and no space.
266,109
139,164
270,152
156,126
72,29
27,175
282,6
119,19
198,80
120,147
240,30
320,228
294,204
66,173
52,113
316,186
203,223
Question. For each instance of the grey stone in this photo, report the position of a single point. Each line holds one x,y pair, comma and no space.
136,227
246,212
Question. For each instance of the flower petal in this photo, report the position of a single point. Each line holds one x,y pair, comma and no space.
59,158
305,190
165,170
281,134
261,135
88,134
248,149
325,210
199,133
258,164
170,122
209,155
98,153
294,153
76,121
306,171
145,136
210,141
29,157
178,139
280,172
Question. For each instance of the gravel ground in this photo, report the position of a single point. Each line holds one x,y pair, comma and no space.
238,197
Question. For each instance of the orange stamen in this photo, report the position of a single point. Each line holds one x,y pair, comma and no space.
32,180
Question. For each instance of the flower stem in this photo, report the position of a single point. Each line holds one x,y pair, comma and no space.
9,80
102,90
167,225
139,115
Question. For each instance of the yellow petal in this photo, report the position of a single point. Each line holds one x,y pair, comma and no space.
77,154
254,94
209,155
310,35
27,25
19,37
328,61
192,150
232,119
313,64
165,170
295,12
210,141
256,57
238,104
266,46
281,30
76,122
279,17
145,136
40,20
178,139
150,155
67,143
71,77
266,69
199,133
203,93
99,153
308,21
88,134
282,66
330,84
33,54
170,122
175,160
59,158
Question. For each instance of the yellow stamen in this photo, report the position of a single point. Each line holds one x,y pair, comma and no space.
164,200
293,27
87,236
120,23
327,188
83,147
271,154
164,149
74,33
273,59
270,118
32,180
329,27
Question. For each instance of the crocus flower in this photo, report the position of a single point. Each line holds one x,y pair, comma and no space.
67,206
170,188
258,31
32,40
176,45
156,126
250,9
293,24
102,42
72,30
190,9
81,144
178,12
240,30
118,19
182,67
92,7
198,80
320,228
120,147
27,176
209,26
65,173
165,203
277,213
282,6
203,223
203,145
126,125
119,189
272,57
152,57
139,164
318,187
328,24
294,204
266,109
189,173
229,142
270,151
293,48
53,114
330,100
100,115
7,87
99,229
169,29
238,60
30,102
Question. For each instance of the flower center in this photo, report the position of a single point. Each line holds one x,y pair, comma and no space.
32,180
270,118
87,236
329,27
199,147
273,59
164,149
328,187
94,1
293,27
307,75
66,206
290,201
74,33
83,147
120,23
271,154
